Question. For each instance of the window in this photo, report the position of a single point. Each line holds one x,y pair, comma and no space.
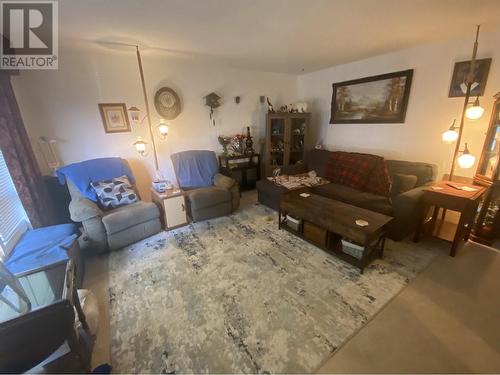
13,219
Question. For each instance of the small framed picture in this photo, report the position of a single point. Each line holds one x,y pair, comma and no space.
460,72
114,117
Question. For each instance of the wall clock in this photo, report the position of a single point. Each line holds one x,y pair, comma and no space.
167,103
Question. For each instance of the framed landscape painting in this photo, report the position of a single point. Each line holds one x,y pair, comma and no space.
460,72
114,117
378,99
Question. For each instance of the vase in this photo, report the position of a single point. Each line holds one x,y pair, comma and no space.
249,143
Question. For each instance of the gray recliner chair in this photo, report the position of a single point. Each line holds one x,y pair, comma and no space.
110,229
209,194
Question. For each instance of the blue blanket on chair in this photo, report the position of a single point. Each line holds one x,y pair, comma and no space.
195,168
83,173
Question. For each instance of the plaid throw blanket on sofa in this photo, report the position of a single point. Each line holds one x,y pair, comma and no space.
364,172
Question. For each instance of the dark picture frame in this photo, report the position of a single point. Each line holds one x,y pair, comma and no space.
379,99
460,72
114,117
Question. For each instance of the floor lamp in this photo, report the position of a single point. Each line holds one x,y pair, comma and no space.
140,144
475,111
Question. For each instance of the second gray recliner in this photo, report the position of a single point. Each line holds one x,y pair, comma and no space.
209,194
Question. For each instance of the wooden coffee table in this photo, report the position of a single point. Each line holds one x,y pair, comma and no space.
325,222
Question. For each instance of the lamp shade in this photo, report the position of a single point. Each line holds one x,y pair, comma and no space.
450,136
163,128
140,146
475,111
134,114
466,160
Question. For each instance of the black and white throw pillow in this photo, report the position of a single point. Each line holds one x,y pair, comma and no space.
115,192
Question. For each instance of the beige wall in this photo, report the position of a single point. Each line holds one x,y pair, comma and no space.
62,104
430,111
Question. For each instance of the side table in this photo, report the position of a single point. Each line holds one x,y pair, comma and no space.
450,196
243,168
40,319
172,207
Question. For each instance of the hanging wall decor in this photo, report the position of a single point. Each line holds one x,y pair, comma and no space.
167,103
212,100
114,117
378,99
458,84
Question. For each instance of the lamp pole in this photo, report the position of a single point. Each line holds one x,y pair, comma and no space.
468,81
148,114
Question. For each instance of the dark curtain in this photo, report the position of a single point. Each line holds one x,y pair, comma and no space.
19,157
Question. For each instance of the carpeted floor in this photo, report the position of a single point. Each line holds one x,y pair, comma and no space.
445,321
235,294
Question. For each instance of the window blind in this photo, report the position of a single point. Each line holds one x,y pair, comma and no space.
13,218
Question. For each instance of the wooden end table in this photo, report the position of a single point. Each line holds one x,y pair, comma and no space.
172,207
243,168
447,197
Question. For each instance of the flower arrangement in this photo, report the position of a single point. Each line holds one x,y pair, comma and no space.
238,144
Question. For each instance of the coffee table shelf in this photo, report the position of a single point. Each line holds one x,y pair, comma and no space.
325,222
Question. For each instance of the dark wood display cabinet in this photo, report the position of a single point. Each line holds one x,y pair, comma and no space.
487,224
286,140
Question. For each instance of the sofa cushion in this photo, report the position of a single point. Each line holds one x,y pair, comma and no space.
207,197
425,172
317,160
346,194
125,217
403,183
379,181
350,169
115,192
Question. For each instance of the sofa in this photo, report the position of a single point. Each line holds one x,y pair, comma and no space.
406,207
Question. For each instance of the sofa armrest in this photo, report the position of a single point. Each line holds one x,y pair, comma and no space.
409,204
82,209
223,181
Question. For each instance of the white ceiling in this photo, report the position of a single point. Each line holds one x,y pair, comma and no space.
286,36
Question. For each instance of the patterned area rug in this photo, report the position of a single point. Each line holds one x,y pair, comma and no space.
235,294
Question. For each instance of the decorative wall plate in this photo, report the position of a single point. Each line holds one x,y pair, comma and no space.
167,103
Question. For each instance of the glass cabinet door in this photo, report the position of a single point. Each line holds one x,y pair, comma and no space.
277,144
297,139
490,158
